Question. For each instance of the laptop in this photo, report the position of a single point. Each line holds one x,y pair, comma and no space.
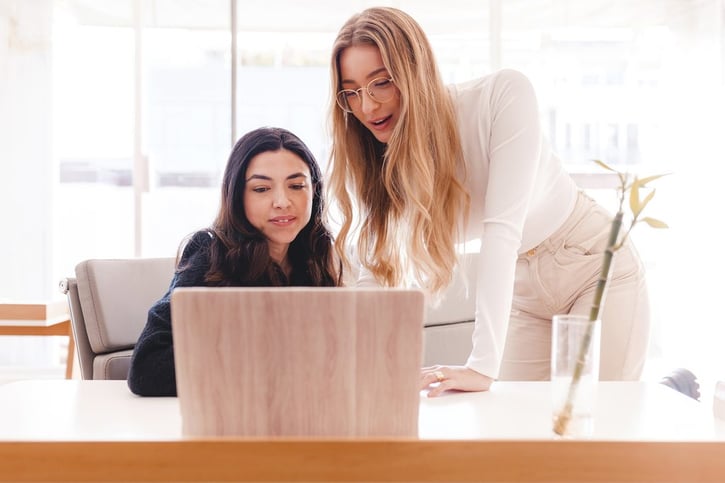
298,361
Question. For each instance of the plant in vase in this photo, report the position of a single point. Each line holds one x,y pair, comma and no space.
629,187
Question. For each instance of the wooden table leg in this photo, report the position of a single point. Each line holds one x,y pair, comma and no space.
71,354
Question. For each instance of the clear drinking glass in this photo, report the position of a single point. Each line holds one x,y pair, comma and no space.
574,374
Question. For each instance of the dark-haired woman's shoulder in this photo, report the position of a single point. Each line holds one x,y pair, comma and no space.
193,243
194,257
152,371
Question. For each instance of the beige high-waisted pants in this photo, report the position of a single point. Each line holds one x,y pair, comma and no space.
559,276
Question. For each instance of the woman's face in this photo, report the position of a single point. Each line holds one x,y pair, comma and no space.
359,65
278,198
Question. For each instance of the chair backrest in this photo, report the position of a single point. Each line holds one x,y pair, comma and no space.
109,301
298,361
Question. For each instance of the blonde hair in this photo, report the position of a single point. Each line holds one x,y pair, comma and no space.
408,194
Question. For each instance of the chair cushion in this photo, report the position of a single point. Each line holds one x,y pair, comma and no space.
112,366
116,295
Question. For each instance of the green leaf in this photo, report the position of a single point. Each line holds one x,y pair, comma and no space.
643,203
654,223
649,179
622,177
605,166
634,203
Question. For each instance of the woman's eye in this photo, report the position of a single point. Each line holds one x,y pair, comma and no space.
260,189
382,83
299,186
350,94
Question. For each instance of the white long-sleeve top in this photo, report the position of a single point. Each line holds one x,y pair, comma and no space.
520,195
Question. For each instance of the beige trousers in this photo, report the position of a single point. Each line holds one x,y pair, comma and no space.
559,276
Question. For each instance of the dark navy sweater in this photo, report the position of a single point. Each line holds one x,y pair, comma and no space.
152,371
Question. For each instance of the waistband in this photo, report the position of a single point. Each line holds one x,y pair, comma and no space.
583,208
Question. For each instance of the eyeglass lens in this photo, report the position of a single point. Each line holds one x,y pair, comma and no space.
380,89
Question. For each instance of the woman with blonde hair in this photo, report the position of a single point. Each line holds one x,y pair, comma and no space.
419,168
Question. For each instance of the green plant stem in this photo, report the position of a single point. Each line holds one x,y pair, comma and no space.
564,416
606,266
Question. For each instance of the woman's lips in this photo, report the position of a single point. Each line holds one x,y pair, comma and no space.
380,124
283,220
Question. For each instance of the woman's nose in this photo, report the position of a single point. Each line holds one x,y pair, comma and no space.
280,200
368,104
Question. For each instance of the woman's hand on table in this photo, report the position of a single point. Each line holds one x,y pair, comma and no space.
458,378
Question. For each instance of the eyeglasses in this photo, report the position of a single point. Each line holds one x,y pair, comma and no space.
380,89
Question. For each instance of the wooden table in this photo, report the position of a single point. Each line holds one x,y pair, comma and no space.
99,431
40,319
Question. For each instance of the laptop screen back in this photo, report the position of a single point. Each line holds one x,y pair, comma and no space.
298,361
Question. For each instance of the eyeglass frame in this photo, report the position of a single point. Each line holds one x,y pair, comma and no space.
358,93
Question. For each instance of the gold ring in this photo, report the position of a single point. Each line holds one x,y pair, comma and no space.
439,376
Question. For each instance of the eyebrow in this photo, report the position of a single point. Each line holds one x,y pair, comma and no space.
267,178
370,75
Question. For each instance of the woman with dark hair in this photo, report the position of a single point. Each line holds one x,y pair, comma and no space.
268,232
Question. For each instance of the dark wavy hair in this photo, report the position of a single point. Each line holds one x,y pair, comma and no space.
239,253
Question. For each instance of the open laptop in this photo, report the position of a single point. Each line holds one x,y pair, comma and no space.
298,361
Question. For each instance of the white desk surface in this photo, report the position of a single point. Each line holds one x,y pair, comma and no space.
73,410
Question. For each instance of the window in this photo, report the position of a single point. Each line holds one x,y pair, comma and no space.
138,137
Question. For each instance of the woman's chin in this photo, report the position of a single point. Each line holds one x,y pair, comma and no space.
383,136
